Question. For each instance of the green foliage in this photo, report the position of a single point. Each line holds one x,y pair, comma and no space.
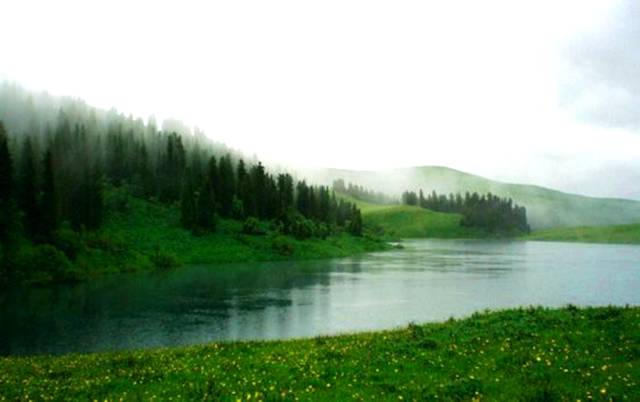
299,227
43,263
164,260
253,227
488,212
69,242
283,245
530,354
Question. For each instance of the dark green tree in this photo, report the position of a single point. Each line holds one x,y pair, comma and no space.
227,186
29,192
205,214
188,215
50,205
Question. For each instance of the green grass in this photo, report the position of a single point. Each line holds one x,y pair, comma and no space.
406,221
529,354
621,234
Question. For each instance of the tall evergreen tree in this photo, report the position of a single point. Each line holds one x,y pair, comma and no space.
6,187
50,205
28,193
227,185
205,215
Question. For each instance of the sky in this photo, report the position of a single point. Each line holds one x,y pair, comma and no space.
542,92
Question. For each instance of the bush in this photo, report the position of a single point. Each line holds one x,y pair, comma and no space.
164,260
252,226
282,245
300,227
44,262
68,241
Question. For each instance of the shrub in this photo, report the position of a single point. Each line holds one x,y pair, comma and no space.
68,241
163,260
282,245
300,227
44,262
252,226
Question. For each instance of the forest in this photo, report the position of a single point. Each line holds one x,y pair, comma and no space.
55,168
487,212
361,193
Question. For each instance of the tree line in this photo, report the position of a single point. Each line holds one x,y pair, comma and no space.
57,171
362,193
488,212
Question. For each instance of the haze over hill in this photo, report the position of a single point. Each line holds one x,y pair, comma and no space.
546,208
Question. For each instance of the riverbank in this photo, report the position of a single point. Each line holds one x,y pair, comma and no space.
524,354
618,234
141,235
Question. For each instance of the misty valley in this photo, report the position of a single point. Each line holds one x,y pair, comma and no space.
144,260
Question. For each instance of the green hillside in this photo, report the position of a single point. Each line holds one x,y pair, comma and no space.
405,221
546,208
621,234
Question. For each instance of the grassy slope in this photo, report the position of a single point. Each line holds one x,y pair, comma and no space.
546,208
144,226
622,234
405,221
136,231
525,354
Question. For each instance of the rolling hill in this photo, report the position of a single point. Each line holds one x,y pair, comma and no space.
406,221
546,208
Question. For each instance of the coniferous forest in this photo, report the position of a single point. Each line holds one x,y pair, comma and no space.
361,193
487,212
59,160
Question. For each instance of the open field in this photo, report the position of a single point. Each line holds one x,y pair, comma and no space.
530,354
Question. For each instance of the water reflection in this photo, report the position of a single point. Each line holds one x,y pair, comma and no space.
429,280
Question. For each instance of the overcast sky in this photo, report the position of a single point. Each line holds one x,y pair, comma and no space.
544,92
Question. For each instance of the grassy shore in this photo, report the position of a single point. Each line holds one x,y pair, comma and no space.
526,354
142,235
620,234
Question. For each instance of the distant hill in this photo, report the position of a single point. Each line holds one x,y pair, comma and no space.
546,208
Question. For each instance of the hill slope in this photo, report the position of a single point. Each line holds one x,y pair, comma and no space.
546,208
406,221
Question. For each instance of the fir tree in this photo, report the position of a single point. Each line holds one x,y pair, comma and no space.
28,196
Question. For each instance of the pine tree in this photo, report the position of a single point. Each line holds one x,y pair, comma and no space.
50,206
355,224
227,186
205,216
28,196
6,187
188,216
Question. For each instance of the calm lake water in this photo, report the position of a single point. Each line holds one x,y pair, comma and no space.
429,280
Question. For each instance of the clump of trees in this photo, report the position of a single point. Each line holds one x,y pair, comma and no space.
362,193
56,166
488,212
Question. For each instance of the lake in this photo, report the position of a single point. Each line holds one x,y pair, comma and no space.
430,280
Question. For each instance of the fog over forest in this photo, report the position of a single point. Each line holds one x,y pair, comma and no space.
361,85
